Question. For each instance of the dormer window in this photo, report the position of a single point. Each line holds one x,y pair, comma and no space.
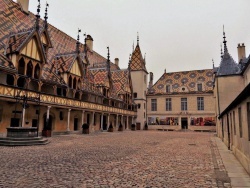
167,88
199,87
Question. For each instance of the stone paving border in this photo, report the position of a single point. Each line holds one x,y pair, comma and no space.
221,176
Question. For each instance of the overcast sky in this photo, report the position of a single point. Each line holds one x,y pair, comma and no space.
178,35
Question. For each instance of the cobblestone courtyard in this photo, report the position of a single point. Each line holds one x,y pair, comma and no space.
119,159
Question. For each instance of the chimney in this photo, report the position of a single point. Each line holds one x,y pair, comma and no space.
241,51
89,42
151,77
24,4
117,61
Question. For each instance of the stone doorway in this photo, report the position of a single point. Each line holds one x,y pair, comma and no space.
184,123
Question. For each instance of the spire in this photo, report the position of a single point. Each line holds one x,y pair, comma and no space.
133,47
129,62
224,41
78,43
137,38
46,16
165,71
221,53
38,15
145,58
85,43
213,63
108,59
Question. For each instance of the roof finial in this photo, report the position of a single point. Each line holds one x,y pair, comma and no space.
164,70
145,58
38,15
85,44
224,41
46,16
221,52
129,62
137,38
108,59
213,63
133,47
78,43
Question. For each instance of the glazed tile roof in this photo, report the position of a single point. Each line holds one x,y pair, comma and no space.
137,61
16,27
187,79
5,63
121,82
100,77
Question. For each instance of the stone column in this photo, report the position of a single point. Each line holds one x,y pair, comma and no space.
122,122
68,129
117,122
108,122
47,116
102,121
127,123
83,117
92,123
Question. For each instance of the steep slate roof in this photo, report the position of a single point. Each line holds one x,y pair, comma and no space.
187,79
228,66
137,61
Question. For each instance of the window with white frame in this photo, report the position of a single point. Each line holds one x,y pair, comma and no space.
183,104
199,87
153,104
200,103
168,104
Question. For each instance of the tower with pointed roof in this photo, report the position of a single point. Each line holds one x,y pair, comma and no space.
139,74
227,82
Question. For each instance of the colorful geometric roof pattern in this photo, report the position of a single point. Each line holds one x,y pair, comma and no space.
17,40
185,79
5,63
121,81
137,61
16,27
100,77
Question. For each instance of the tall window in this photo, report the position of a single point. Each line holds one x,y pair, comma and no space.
199,87
248,119
183,104
139,105
153,104
234,123
240,121
200,103
135,95
168,104
167,88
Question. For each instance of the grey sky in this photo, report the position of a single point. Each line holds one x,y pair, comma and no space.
177,35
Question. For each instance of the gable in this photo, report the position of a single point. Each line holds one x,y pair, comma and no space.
44,39
75,69
32,50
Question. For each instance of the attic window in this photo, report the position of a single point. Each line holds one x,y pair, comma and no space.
183,89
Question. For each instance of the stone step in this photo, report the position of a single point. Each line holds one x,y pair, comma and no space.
23,142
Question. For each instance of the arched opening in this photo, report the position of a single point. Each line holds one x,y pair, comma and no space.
29,69
21,66
48,89
47,125
10,79
37,72
33,85
74,83
79,84
21,82
70,82
77,95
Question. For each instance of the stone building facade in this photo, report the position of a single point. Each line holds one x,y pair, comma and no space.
182,100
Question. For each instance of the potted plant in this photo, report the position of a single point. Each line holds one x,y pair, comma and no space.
110,129
120,127
133,127
85,128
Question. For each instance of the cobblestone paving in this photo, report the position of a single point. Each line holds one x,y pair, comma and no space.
119,159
